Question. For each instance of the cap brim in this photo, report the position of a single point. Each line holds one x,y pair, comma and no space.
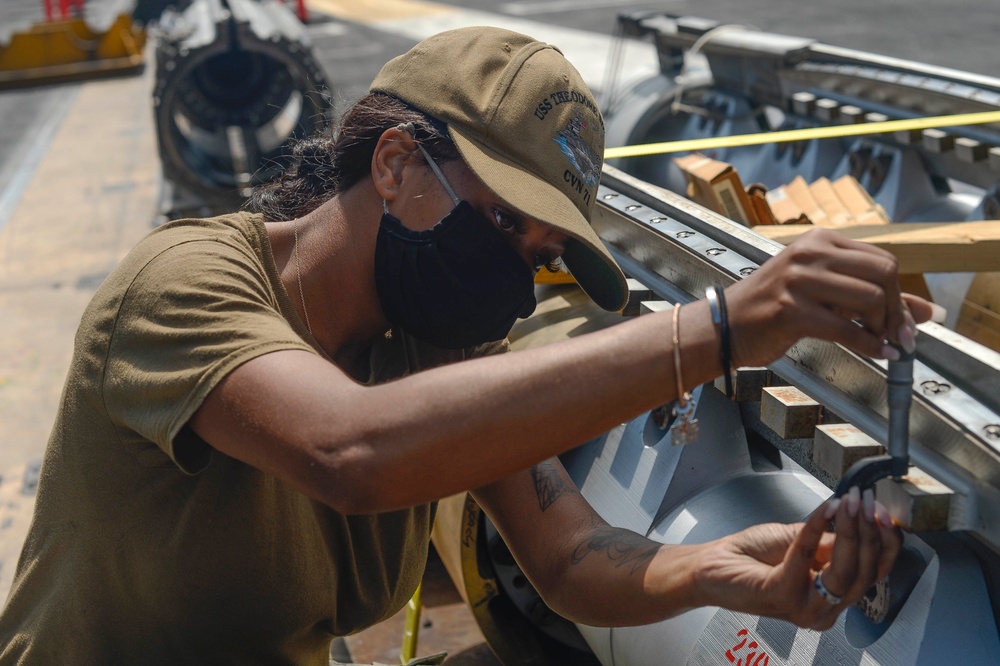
587,258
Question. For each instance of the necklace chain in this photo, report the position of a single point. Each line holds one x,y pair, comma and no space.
298,275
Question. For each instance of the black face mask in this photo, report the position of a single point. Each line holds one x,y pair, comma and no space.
458,284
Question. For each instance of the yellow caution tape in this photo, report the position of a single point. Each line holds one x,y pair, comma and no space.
804,134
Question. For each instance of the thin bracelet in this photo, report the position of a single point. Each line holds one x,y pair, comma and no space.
717,304
682,396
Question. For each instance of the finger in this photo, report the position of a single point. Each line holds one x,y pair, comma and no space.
870,546
829,325
878,268
923,310
802,553
892,540
825,549
843,570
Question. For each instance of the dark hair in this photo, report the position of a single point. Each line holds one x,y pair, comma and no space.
334,159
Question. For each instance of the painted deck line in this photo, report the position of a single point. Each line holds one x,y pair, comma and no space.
31,151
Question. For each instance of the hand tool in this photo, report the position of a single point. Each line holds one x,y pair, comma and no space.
896,462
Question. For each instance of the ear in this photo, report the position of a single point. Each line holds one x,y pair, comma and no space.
393,152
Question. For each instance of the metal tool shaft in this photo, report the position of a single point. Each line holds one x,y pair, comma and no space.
900,396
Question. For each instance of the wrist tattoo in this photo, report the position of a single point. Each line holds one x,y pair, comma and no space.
549,486
623,548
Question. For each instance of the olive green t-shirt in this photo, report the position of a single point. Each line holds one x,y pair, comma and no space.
149,547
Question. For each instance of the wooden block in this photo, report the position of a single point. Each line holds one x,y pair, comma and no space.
648,307
938,141
637,293
799,190
837,446
747,385
803,103
919,247
837,214
979,318
784,208
994,156
918,502
915,283
851,115
827,109
970,150
789,412
858,201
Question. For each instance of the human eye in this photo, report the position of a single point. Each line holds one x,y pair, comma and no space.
508,222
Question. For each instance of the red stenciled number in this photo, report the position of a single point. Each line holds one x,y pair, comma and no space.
762,658
729,652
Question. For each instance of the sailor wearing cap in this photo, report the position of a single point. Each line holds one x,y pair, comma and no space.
264,407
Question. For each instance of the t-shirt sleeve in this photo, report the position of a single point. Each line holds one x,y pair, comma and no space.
192,314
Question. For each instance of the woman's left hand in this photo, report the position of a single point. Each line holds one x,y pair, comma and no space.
771,569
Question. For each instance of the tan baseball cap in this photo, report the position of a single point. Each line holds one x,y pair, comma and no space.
527,125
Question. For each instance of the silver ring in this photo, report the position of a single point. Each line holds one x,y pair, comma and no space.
827,595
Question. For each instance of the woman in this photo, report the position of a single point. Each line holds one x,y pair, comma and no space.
234,478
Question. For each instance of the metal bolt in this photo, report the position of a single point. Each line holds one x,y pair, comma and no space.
608,197
632,207
657,220
992,431
685,234
747,271
715,251
932,387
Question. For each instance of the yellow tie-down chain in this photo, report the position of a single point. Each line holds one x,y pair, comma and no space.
759,138
804,134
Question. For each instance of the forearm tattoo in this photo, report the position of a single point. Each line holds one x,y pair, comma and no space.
623,548
549,486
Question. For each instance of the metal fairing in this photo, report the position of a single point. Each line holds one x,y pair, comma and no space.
939,605
719,485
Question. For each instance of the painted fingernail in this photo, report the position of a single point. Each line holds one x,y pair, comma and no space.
882,516
890,353
938,313
908,335
868,500
831,509
853,501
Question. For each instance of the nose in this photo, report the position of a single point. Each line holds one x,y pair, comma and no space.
540,244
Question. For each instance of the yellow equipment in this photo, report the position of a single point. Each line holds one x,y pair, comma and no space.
68,50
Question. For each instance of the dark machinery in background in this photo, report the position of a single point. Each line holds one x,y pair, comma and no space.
941,604
235,82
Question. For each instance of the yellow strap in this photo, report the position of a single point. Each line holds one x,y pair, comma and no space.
804,134
411,626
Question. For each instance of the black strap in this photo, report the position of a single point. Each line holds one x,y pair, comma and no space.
721,317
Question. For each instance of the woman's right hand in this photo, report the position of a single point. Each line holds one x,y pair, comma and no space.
771,569
825,286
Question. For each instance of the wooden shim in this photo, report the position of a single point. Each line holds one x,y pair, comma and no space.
919,247
747,385
789,412
837,446
918,501
637,293
979,318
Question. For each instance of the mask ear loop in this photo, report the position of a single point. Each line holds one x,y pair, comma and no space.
408,127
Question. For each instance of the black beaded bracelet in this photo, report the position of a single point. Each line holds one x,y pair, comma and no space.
720,317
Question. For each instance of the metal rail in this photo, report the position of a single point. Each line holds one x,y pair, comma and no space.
677,249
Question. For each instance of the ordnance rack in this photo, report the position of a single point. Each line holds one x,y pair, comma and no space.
833,407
